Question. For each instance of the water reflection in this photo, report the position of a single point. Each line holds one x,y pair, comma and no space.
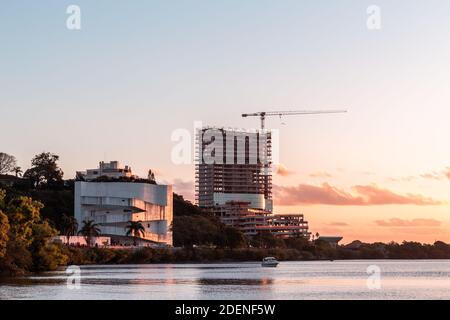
291,280
236,282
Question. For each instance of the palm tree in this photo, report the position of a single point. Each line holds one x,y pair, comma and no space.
69,226
90,230
135,228
151,176
17,171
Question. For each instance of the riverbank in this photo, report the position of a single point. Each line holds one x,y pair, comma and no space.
406,250
108,256
88,256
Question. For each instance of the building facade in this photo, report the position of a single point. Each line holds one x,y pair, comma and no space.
107,169
113,204
233,165
252,221
234,181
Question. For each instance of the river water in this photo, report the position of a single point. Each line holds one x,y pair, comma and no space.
369,279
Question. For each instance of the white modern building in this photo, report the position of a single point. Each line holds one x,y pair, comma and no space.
109,169
112,204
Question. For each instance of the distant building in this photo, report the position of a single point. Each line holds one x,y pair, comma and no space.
112,203
109,169
81,241
239,214
289,225
234,181
332,240
252,221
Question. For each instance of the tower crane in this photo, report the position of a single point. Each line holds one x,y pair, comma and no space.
263,114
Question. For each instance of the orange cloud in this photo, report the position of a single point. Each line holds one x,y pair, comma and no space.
447,172
338,224
405,179
376,196
321,174
433,175
283,171
327,194
396,222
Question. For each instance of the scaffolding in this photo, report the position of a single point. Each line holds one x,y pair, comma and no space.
232,161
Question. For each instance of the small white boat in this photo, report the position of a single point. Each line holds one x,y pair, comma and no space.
269,262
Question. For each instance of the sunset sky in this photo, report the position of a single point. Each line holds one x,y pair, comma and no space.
138,70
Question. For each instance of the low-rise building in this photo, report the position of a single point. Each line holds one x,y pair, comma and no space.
252,221
333,241
289,225
102,196
106,169
83,241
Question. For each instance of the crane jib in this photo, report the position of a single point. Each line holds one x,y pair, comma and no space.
263,114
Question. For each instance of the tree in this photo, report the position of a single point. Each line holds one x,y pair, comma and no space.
90,230
299,243
45,254
28,242
45,171
135,228
266,239
182,207
151,176
17,171
198,230
234,237
7,163
2,198
23,213
69,226
4,230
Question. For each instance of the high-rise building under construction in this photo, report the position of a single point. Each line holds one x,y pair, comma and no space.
233,165
234,181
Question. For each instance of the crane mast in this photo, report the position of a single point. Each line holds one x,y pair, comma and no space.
263,114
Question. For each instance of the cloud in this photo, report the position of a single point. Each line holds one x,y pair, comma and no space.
396,222
403,179
327,194
283,171
320,174
432,175
376,196
184,188
338,224
447,172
